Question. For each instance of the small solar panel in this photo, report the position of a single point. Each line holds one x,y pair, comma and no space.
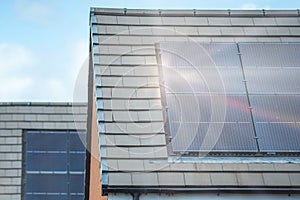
54,159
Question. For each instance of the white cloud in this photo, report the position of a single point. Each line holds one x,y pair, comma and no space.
56,90
249,6
78,67
15,60
15,88
33,11
14,57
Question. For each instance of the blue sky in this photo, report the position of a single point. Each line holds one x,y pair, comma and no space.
43,44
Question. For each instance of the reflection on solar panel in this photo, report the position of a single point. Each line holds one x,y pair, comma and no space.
55,165
232,97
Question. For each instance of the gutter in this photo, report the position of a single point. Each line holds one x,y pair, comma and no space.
137,191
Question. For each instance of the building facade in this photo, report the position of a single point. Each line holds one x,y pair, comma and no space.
196,104
42,151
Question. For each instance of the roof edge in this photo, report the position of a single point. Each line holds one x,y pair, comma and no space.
195,12
43,104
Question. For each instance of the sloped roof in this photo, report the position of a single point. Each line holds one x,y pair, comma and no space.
133,145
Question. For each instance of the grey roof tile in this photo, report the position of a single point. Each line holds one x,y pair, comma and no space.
242,21
218,21
171,179
173,20
223,179
264,21
278,31
151,20
287,21
119,179
295,179
106,19
186,30
131,165
295,31
273,179
201,179
196,21
146,179
250,179
128,20
209,31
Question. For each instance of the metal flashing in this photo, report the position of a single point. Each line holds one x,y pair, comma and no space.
238,160
193,12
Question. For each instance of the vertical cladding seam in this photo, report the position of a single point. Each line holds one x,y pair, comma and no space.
102,151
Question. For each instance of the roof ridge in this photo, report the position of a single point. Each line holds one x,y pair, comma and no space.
196,12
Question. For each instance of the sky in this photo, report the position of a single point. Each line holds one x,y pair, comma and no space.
44,43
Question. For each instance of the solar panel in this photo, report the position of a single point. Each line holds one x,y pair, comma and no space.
194,126
270,54
212,137
210,88
278,137
46,161
276,108
203,80
46,141
76,183
192,54
273,80
53,160
277,121
208,108
77,161
51,183
77,142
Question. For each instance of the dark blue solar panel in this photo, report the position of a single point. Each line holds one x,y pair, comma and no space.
50,156
77,142
77,183
46,161
46,141
47,197
77,197
77,161
46,183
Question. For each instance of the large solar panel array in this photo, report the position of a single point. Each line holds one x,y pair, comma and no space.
55,165
232,97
